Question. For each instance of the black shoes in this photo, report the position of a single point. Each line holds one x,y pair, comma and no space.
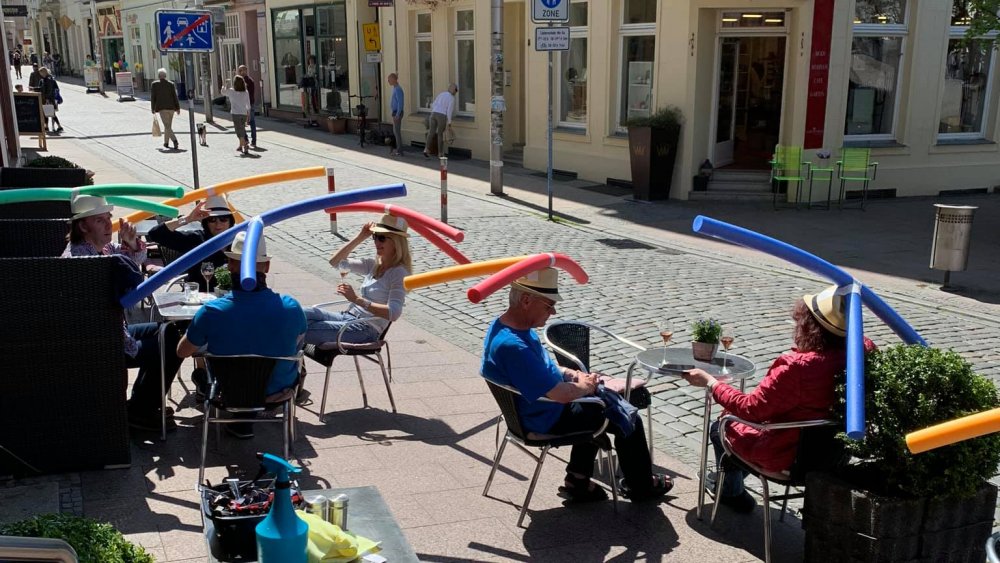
150,421
742,503
241,430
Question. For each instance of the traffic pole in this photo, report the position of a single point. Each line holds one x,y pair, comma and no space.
444,189
331,187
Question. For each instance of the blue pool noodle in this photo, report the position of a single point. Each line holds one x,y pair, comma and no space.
248,263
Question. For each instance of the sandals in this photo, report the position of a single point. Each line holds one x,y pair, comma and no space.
661,486
580,490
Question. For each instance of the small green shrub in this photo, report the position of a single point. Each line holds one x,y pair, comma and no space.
94,542
223,278
55,162
706,330
908,388
667,117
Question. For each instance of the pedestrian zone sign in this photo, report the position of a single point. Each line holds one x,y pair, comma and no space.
185,31
544,11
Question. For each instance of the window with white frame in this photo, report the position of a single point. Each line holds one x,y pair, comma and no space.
233,26
231,48
967,76
638,49
465,60
876,62
571,71
425,76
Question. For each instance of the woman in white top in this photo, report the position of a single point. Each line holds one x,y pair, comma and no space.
239,108
382,293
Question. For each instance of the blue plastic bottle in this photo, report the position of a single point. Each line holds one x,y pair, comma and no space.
282,536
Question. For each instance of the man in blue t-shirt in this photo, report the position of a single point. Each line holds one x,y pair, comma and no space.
513,356
260,322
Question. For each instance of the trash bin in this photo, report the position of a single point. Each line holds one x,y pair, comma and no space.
952,234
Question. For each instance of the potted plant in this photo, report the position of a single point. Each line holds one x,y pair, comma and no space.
176,63
889,504
652,147
93,541
223,280
705,335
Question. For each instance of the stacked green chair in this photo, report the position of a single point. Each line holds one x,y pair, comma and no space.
788,166
855,165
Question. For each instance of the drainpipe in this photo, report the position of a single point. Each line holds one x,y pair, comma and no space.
497,104
99,45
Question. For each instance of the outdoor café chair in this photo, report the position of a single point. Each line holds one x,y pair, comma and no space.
787,166
238,386
855,165
991,548
325,353
817,448
506,398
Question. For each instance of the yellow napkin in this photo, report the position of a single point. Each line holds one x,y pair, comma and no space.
329,544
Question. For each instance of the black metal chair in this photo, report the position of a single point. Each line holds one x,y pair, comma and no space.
991,548
506,398
817,449
239,386
25,238
30,177
324,354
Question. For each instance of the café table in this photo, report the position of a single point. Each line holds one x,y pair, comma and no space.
367,515
173,308
675,360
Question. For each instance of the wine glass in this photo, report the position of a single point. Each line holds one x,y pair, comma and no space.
666,329
207,271
728,336
345,268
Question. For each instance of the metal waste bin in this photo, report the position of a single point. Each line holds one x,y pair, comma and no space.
952,233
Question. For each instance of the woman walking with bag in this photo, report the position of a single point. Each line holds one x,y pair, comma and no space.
50,96
239,108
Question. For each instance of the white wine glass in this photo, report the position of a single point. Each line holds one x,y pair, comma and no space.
207,271
728,336
345,268
666,330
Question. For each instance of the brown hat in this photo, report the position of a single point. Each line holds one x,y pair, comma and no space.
827,307
543,283
391,225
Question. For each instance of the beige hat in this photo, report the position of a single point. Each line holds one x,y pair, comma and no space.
543,283
391,225
89,205
236,250
827,307
217,206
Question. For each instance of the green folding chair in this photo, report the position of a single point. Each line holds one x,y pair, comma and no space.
855,165
787,166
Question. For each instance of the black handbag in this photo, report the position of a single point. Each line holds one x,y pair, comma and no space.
640,397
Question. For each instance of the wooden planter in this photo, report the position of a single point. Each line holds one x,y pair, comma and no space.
704,351
336,125
845,524
652,153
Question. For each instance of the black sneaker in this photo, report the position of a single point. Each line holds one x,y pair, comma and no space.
742,503
150,421
200,379
241,430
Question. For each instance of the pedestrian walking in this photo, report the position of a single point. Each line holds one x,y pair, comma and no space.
34,79
15,61
442,112
163,100
396,106
251,91
239,109
50,97
56,65
48,62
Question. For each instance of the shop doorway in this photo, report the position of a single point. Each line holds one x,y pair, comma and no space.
750,83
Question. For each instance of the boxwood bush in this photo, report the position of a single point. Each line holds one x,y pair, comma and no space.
94,542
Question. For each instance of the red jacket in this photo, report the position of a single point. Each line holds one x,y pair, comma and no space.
798,386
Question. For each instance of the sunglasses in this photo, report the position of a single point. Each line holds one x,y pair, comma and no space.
551,308
217,219
379,238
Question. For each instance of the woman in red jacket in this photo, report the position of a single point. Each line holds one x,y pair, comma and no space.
798,386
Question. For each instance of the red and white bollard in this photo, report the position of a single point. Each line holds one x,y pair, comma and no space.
444,189
331,187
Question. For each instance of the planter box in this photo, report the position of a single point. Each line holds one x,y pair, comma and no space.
336,125
652,153
844,524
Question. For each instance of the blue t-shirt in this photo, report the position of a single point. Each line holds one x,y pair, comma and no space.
253,322
516,358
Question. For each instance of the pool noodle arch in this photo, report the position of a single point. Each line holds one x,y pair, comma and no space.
532,263
462,271
953,431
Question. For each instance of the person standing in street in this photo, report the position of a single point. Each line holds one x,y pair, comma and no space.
16,63
50,96
34,79
163,100
251,91
396,106
239,109
442,112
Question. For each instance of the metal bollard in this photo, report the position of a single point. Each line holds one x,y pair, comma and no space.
952,234
331,187
444,189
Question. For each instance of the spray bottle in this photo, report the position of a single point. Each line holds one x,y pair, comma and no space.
282,535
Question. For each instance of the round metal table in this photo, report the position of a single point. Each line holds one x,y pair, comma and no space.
673,361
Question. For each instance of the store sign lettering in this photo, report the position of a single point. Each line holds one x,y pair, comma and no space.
819,70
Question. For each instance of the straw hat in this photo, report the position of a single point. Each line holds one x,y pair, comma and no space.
217,206
236,251
827,307
88,206
391,225
543,283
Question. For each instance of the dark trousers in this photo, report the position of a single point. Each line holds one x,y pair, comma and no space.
633,451
252,121
733,484
146,391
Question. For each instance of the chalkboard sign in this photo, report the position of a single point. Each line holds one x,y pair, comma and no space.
30,119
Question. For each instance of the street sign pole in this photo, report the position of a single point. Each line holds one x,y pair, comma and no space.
194,142
550,39
548,180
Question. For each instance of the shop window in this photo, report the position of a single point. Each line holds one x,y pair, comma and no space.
288,54
571,71
465,61
332,73
425,76
639,11
876,62
638,48
967,77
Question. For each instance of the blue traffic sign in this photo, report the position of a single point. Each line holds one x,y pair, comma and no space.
185,31
544,11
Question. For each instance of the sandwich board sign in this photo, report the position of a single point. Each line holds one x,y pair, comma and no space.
185,31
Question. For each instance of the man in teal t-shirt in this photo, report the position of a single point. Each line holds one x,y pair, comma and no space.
260,322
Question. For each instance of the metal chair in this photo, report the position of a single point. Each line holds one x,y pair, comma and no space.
238,385
991,548
570,341
854,166
816,448
506,398
787,166
324,354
